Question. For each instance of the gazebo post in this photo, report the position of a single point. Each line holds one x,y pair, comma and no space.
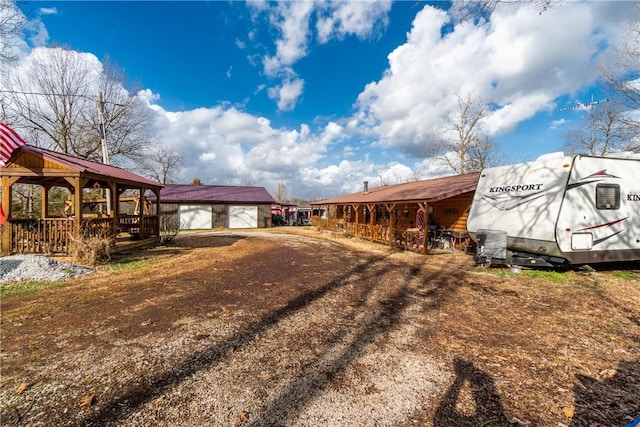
44,208
143,228
7,184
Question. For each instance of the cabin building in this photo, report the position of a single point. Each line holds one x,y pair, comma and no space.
413,215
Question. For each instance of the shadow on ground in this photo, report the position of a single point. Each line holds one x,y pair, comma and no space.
486,407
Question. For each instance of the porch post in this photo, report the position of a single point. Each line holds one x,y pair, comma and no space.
392,224
44,209
143,226
6,208
427,223
114,196
357,209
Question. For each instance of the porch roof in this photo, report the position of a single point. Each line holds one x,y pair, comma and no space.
431,190
83,167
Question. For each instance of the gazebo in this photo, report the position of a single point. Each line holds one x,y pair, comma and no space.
51,231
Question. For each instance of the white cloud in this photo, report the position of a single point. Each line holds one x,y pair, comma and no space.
287,94
226,145
293,19
48,11
520,60
359,18
555,124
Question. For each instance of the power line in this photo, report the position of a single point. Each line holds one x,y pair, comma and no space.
584,105
62,95
15,92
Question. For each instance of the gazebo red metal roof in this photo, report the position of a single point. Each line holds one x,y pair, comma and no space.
87,166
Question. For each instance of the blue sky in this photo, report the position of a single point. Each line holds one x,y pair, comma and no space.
321,96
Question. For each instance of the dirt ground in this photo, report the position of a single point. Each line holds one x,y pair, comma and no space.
274,328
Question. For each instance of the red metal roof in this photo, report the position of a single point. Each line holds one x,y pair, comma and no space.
184,193
87,166
431,190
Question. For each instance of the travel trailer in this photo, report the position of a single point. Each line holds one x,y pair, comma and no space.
558,210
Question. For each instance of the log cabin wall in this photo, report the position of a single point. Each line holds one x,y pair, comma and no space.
452,213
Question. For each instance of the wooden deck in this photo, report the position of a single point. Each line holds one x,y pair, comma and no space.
55,236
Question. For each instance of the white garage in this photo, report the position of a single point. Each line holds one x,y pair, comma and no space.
215,206
195,216
243,217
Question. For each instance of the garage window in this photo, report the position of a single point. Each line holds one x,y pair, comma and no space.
608,196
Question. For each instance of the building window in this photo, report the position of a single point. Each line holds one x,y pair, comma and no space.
607,196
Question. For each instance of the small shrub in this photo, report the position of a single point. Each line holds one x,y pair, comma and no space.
169,228
91,251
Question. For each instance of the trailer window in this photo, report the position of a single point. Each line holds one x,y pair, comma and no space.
608,196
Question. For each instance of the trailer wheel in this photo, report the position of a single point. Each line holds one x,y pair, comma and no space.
487,261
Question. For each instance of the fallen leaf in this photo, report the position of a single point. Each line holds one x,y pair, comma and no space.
241,417
607,374
87,401
264,375
22,388
568,411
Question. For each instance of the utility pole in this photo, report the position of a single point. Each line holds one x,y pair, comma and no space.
103,141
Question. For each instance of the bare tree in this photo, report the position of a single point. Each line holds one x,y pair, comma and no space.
602,131
462,147
161,164
622,78
281,189
11,23
53,99
482,9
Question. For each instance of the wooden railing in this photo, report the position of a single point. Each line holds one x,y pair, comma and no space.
51,235
409,239
55,235
150,226
131,224
376,232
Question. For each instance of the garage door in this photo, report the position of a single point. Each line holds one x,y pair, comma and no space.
195,217
243,216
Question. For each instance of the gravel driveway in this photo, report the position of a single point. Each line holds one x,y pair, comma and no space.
261,330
